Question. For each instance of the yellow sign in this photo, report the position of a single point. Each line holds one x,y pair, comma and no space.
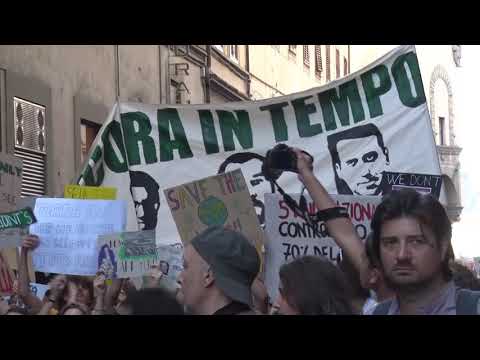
90,192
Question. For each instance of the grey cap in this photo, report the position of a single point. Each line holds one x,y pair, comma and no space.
233,260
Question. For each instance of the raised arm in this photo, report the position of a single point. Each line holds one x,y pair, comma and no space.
30,243
341,229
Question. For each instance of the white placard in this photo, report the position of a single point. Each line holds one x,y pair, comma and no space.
289,237
68,231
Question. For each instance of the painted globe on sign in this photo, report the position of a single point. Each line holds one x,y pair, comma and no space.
212,211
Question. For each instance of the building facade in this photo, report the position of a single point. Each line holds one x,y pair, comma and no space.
53,99
438,66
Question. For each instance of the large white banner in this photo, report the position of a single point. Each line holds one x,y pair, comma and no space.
358,128
289,236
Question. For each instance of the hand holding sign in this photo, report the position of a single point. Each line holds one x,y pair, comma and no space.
99,286
30,242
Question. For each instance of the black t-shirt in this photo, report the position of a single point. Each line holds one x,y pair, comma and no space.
233,308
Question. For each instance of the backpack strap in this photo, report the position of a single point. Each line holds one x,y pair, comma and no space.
382,308
468,302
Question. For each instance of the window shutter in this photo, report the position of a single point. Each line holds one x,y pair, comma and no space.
328,61
306,55
318,59
31,145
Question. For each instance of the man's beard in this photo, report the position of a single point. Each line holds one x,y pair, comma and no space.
408,287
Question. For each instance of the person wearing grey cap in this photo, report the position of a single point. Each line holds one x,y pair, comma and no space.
219,268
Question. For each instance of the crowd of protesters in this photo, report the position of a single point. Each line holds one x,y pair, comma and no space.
406,266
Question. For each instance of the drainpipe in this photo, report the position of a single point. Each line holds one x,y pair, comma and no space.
247,65
348,59
117,72
207,74
160,72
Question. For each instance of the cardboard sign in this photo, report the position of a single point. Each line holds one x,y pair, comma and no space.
90,192
10,181
289,236
221,200
131,254
68,229
6,276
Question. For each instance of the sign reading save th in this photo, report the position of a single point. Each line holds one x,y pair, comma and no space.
221,200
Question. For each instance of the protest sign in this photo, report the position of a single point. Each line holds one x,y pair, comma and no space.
15,219
356,128
38,290
6,276
69,229
13,227
289,236
89,192
423,183
131,254
10,181
221,200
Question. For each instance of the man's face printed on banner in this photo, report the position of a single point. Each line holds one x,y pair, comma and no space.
146,198
359,159
257,181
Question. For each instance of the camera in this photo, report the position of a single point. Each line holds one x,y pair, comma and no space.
280,158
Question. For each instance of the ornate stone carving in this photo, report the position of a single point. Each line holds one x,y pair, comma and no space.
457,54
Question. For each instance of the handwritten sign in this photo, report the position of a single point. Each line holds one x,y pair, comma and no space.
221,200
69,229
289,236
38,290
131,254
90,192
423,183
10,181
6,276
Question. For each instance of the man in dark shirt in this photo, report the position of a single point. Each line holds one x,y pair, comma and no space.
219,268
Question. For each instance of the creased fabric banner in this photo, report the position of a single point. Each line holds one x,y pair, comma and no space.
357,128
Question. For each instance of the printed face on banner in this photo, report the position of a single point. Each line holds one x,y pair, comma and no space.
359,159
146,197
254,180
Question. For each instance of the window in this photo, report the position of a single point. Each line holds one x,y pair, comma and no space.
441,121
337,60
318,60
31,145
306,56
292,49
234,53
88,133
327,60
345,66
